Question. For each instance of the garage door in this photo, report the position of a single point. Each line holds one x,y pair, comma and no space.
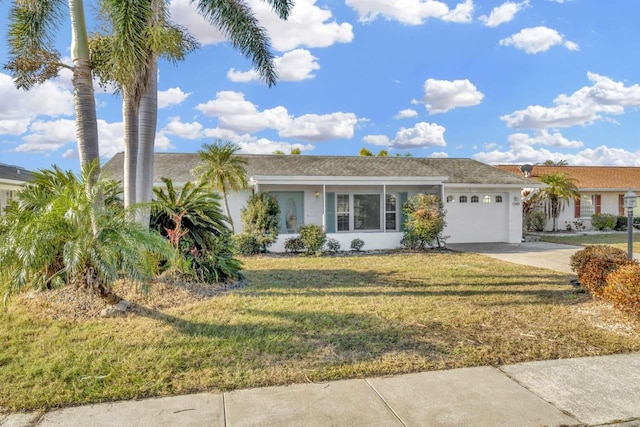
477,217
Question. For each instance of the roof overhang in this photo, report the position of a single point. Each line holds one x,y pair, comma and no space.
347,180
514,186
12,182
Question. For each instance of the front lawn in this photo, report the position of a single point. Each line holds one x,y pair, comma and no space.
306,319
619,240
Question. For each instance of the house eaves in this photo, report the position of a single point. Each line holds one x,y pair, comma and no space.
347,180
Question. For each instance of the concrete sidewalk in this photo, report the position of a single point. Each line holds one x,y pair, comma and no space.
585,391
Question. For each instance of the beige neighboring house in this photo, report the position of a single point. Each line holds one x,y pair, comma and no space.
363,196
12,178
601,188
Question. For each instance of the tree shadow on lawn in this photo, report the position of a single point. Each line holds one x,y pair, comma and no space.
545,288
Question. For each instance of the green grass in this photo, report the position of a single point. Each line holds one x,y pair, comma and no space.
307,319
619,240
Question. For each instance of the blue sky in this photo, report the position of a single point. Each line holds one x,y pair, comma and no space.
500,82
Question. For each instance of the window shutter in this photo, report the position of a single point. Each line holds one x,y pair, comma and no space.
404,196
598,203
330,212
621,205
576,212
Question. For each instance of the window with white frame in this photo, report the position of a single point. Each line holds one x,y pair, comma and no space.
391,212
451,199
474,199
343,212
463,199
587,205
486,199
498,199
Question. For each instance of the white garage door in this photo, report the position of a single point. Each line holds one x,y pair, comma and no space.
477,217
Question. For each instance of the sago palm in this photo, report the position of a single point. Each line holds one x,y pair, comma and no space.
49,239
222,170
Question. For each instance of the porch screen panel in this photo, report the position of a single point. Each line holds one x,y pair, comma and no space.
366,212
404,196
291,210
330,212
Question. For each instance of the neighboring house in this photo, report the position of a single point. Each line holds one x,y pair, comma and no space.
363,196
12,178
601,188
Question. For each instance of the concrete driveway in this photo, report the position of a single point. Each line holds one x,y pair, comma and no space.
537,254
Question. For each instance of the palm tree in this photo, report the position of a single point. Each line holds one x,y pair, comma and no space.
49,238
222,170
560,189
33,60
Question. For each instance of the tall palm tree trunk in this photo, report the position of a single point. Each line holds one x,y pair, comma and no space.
147,122
130,123
84,100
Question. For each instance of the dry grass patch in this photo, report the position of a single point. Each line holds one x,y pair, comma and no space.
307,319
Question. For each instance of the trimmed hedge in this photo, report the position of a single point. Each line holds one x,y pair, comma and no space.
594,263
623,288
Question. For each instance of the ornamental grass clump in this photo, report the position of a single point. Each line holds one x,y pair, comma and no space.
594,263
623,288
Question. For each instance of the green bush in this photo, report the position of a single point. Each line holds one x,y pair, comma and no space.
332,245
357,244
621,223
535,221
603,221
594,263
217,263
260,218
293,244
425,221
313,238
623,288
246,244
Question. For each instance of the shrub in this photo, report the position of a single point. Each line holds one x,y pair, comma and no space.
603,221
293,244
593,263
357,244
623,288
621,223
260,218
216,263
246,244
313,238
332,245
535,221
425,220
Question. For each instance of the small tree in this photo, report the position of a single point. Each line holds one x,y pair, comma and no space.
260,218
425,221
560,189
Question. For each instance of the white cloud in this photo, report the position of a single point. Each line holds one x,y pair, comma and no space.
315,127
239,115
70,154
537,39
583,107
377,140
439,155
443,95
412,12
295,65
543,137
404,114
172,96
48,136
503,13
182,130
308,25
421,135
18,108
266,146
600,156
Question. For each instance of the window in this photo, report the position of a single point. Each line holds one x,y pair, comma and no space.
486,199
498,199
342,210
291,210
366,212
474,199
390,212
451,199
463,199
589,204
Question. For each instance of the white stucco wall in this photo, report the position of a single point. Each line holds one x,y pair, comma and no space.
608,204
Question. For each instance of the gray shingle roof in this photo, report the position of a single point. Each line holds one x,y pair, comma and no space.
14,173
178,167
